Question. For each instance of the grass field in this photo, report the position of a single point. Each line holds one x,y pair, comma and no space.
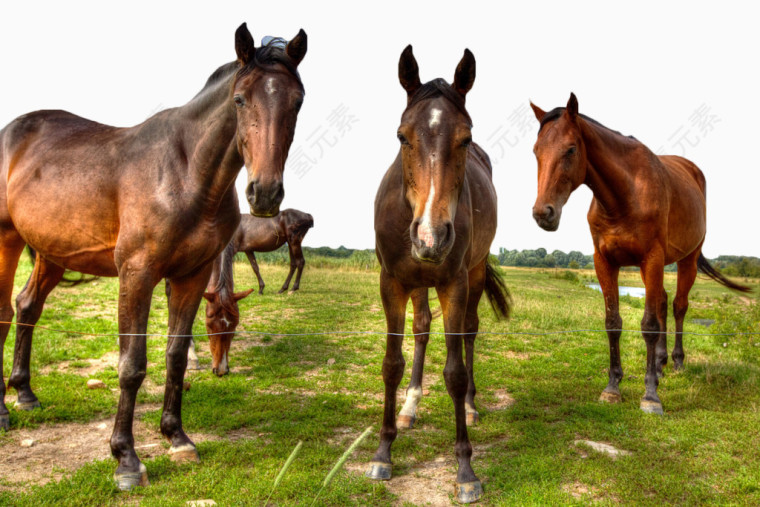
537,397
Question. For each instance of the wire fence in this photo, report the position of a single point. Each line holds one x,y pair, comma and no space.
373,333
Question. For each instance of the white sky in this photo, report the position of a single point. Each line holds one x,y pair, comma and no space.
642,68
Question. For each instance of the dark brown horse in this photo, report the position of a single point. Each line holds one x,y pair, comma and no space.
256,234
144,203
222,313
647,211
435,218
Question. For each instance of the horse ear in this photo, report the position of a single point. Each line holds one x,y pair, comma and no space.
540,113
296,48
572,106
240,295
464,76
408,71
244,46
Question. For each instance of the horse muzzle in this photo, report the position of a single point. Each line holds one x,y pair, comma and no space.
265,200
547,217
431,243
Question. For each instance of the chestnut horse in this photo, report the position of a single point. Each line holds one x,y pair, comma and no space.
435,218
256,234
647,211
144,203
222,313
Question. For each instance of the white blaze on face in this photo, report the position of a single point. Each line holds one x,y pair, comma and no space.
223,365
425,229
435,118
269,87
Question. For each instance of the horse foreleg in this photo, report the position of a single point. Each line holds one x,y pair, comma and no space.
394,297
607,275
421,330
661,349
11,247
651,328
453,298
252,259
300,263
294,259
135,292
186,298
687,273
45,276
477,280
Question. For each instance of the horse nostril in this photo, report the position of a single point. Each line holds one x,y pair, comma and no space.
549,212
250,191
448,235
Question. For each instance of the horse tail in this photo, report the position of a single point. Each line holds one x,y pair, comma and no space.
708,269
497,292
65,281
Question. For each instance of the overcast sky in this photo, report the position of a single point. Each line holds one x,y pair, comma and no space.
681,78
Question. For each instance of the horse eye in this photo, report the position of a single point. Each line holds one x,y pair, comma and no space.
298,105
467,142
239,101
570,151
401,138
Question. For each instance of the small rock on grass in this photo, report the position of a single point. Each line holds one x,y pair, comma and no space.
94,383
200,503
27,442
613,452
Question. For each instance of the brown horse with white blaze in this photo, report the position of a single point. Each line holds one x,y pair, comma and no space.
144,203
435,218
256,234
647,211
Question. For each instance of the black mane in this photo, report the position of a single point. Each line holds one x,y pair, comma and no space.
555,113
225,286
437,88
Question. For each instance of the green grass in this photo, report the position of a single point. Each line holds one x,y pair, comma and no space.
321,388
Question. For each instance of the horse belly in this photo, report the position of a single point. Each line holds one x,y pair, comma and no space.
67,221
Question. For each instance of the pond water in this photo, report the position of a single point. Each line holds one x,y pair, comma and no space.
636,292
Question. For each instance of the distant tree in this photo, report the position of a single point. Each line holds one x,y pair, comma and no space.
573,265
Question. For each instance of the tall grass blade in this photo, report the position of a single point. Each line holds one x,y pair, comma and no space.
341,461
284,469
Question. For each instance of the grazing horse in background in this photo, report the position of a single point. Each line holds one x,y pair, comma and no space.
256,234
647,211
222,314
435,218
144,203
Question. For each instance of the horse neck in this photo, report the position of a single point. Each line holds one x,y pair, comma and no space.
209,138
610,168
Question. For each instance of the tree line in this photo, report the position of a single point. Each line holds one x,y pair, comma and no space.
731,265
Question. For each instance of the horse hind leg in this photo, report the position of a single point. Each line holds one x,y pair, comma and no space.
477,279
687,273
11,247
45,276
661,350
421,329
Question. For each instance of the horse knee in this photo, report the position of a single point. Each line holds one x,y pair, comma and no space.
132,375
456,380
393,369
650,325
422,321
613,321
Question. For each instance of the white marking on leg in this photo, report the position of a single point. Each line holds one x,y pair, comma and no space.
435,118
413,397
191,355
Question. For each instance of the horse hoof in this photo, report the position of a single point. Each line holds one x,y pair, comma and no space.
379,471
677,365
5,422
469,492
27,405
192,364
184,454
405,422
128,480
609,397
651,407
472,418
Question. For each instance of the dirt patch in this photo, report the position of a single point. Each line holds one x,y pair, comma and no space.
504,400
430,483
61,449
579,490
109,360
